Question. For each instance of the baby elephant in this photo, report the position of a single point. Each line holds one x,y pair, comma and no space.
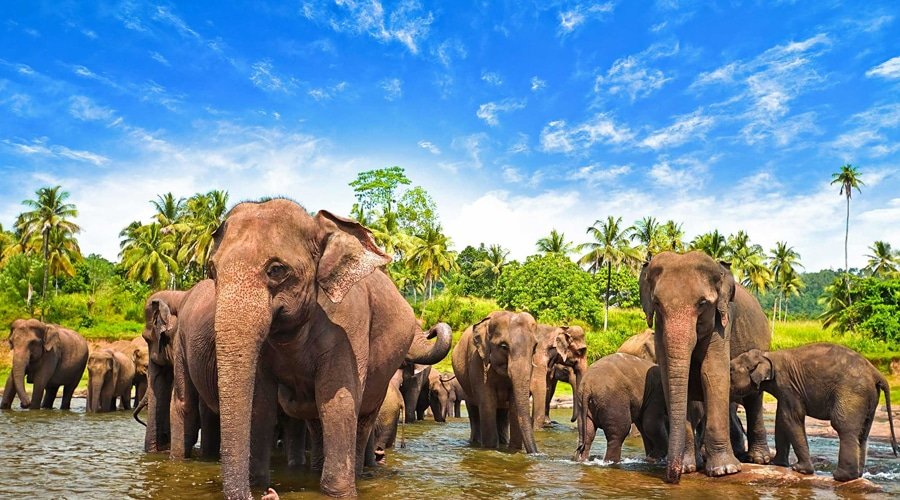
389,416
824,381
110,375
618,390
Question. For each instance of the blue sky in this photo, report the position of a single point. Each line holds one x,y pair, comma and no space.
517,117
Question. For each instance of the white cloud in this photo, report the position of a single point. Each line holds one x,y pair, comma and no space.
83,108
263,75
557,137
630,76
889,69
393,88
430,147
867,135
690,175
405,23
489,111
520,145
472,145
571,19
327,93
594,174
39,147
156,56
537,84
685,128
449,51
492,78
165,15
512,174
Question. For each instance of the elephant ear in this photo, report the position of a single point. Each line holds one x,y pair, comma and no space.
51,337
763,370
645,284
726,291
348,254
480,339
562,341
161,315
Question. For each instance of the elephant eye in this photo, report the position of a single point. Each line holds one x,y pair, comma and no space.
276,271
504,346
702,302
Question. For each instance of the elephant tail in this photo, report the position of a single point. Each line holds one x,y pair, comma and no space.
138,408
883,385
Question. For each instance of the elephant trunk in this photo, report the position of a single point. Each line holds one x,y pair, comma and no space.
678,344
578,373
243,319
521,389
96,402
20,362
424,352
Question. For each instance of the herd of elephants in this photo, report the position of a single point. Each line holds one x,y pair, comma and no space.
299,338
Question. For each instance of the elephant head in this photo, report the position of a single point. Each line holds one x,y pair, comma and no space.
270,261
506,342
571,351
102,374
440,394
159,331
749,371
30,340
685,298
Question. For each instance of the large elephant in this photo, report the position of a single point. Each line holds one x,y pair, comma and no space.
641,345
136,350
303,313
385,432
561,355
110,377
702,319
446,395
51,357
824,381
415,390
493,363
618,390
160,320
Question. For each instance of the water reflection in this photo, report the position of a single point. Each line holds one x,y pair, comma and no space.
99,456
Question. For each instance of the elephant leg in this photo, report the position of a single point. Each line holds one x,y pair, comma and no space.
503,425
849,466
262,432
316,453
474,425
736,433
714,370
689,462
184,413
210,433
295,442
488,416
456,409
49,396
337,399
790,423
37,394
363,434
9,392
758,450
653,431
587,433
551,390
615,436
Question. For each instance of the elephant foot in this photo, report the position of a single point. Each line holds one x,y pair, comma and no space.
781,461
688,463
761,456
843,475
722,464
807,468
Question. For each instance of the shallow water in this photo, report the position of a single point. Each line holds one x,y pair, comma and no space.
99,456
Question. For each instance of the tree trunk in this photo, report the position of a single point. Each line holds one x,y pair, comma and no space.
46,249
846,261
608,282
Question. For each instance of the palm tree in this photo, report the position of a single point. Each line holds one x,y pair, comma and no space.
610,246
883,261
712,244
836,301
49,213
147,255
782,261
648,233
168,210
743,256
204,214
430,255
7,242
848,178
63,253
672,236
555,243
492,264
791,284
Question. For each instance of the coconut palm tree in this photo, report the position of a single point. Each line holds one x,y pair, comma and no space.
7,242
49,213
783,260
743,256
712,244
671,237
849,179
146,255
836,301
430,255
648,233
168,210
493,263
204,214
883,261
610,247
555,242
791,284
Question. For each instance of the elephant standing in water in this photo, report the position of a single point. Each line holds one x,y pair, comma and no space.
110,376
51,357
305,315
702,319
561,355
415,390
136,350
446,395
493,363
385,432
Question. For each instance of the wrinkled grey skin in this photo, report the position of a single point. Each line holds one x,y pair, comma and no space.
305,317
136,350
50,357
702,319
561,354
823,381
385,432
446,395
415,390
160,320
641,345
110,377
493,363
618,390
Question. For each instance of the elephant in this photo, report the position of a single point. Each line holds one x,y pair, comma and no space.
446,395
824,381
415,390
160,319
110,377
493,363
701,319
562,354
304,314
49,356
618,390
392,410
136,349
641,345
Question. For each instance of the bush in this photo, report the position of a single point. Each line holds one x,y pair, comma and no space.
458,312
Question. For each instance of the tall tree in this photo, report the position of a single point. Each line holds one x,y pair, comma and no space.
204,213
49,213
431,256
168,210
609,246
783,261
648,233
492,265
712,244
849,179
146,255
555,242
883,261
672,236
